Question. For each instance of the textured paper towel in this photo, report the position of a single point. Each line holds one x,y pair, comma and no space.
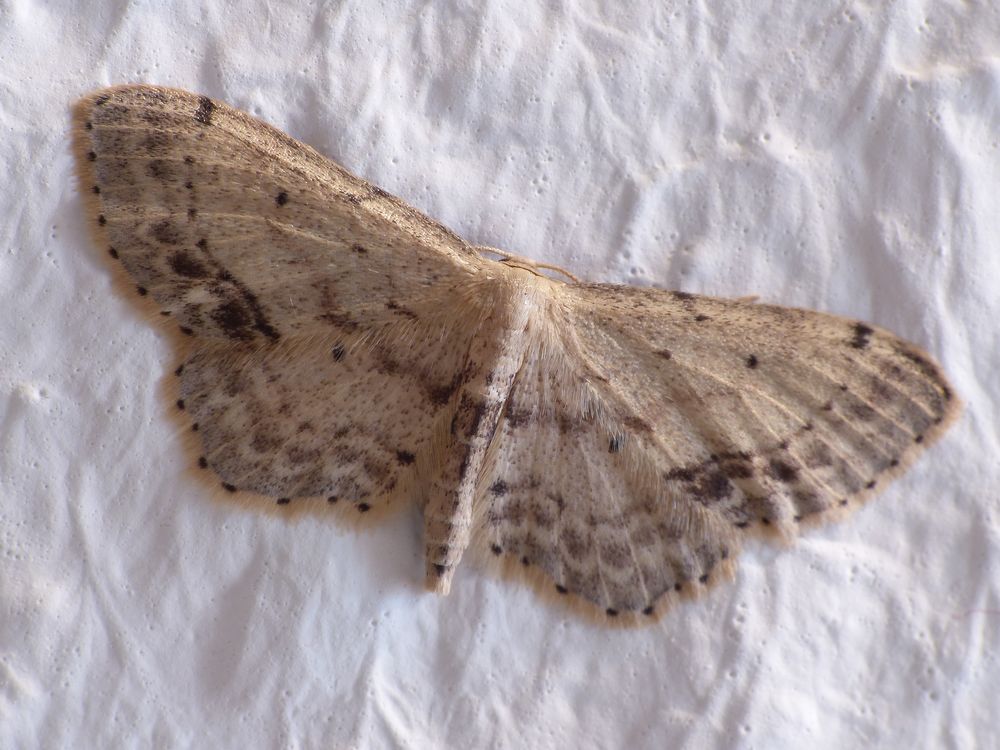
838,156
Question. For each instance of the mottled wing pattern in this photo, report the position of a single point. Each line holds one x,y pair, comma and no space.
761,414
346,421
290,274
242,233
345,345
568,493
633,452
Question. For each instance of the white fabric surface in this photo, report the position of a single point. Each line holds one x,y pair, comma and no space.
841,156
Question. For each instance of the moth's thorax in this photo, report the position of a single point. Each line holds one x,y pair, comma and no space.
519,297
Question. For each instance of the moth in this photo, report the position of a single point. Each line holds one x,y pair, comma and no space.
619,442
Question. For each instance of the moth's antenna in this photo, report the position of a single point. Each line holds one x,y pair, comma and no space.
519,261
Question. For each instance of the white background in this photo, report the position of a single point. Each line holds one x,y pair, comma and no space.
843,156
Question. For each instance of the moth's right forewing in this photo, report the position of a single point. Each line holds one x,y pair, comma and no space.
765,415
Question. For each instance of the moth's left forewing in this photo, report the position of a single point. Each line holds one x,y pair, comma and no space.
240,231
328,322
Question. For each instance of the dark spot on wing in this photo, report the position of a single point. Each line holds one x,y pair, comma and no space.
476,410
235,316
752,362
282,198
91,156
862,334
576,546
340,320
232,318
782,470
863,411
338,352
165,232
205,109
405,457
441,394
399,310
159,169
715,486
818,455
499,488
359,249
517,418
922,363
185,264
681,474
101,220
495,549
700,318
568,424
665,353
738,469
